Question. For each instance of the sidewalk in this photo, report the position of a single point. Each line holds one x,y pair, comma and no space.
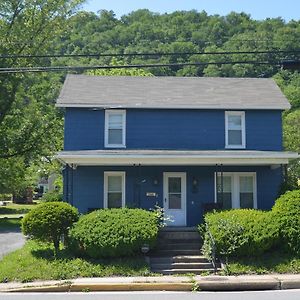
162,283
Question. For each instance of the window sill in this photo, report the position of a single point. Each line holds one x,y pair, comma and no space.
235,147
115,146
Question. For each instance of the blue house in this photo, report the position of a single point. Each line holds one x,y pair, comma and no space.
184,144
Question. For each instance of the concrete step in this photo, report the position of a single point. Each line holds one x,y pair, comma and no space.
182,271
166,266
178,259
179,235
179,246
177,241
175,252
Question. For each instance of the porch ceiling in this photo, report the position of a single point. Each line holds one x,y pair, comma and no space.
174,157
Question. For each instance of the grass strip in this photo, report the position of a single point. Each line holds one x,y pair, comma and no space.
35,262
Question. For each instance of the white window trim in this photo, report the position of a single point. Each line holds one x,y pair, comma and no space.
111,112
113,173
235,187
243,123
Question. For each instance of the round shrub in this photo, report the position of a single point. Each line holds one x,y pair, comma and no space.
49,221
241,232
114,232
286,213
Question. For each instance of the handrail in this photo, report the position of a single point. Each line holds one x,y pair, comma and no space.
213,248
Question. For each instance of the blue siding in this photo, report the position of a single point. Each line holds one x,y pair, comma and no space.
87,190
172,129
84,129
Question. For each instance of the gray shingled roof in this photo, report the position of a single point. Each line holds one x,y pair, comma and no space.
171,92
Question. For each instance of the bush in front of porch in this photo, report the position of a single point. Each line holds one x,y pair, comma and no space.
114,232
241,232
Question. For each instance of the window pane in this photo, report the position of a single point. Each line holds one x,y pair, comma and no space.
174,185
174,201
226,198
115,121
234,122
246,200
246,184
114,200
115,136
226,183
246,192
114,183
234,137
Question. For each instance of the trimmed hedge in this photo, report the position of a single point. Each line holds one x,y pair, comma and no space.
241,232
286,213
49,221
114,232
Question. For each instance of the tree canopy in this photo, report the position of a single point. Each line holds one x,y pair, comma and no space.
31,128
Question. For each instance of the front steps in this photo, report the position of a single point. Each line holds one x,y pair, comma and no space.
178,252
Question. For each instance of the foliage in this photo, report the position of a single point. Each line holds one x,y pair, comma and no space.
31,128
35,262
268,263
286,214
241,232
119,72
49,221
53,196
114,232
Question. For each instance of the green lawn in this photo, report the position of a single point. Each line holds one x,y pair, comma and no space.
6,224
35,261
273,262
19,209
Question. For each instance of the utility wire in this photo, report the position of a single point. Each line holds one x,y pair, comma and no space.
82,68
10,56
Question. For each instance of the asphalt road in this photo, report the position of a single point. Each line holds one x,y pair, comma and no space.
10,241
261,295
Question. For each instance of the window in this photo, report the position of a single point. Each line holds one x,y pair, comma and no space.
115,121
224,198
235,129
114,189
239,190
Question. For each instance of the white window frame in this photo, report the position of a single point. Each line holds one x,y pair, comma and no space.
113,173
109,112
235,187
243,125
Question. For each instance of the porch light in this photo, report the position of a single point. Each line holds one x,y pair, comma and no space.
145,248
195,182
155,181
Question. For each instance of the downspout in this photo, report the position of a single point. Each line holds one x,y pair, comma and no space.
217,183
222,190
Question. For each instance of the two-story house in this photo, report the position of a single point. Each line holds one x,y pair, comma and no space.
179,143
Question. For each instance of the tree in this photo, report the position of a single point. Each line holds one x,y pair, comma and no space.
26,28
29,124
119,72
49,221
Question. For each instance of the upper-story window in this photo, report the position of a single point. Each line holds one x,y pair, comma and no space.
115,128
235,135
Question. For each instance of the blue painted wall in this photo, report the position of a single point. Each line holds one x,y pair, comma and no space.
85,186
172,129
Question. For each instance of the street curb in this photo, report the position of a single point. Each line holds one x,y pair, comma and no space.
199,283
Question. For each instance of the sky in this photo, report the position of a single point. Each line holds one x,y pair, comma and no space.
258,9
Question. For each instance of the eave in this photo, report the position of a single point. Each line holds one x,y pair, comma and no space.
174,157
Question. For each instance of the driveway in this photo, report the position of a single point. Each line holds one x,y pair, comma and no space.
10,240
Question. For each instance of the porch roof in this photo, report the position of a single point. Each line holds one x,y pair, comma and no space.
174,157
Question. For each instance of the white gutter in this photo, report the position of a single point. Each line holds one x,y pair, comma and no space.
179,160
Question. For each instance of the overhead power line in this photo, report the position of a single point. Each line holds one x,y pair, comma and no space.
98,55
83,68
